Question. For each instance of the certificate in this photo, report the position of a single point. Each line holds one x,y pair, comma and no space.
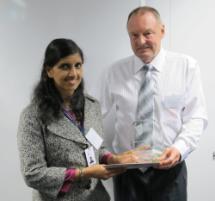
132,165
146,158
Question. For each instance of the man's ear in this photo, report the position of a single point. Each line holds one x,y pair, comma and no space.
163,29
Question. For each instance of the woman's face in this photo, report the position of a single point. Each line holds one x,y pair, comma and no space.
67,74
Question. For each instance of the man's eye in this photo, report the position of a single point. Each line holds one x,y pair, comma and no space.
78,65
134,35
147,34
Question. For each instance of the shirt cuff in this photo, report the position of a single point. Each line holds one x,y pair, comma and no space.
105,158
183,149
69,178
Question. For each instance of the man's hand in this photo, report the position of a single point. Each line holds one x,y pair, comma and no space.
169,158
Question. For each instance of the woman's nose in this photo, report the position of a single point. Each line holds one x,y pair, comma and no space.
73,71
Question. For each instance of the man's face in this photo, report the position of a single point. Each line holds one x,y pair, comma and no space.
145,33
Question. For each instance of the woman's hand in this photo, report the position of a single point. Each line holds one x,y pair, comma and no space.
123,158
100,172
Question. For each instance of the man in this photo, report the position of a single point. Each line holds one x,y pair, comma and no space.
174,121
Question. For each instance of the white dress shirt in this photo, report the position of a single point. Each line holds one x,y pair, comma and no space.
180,110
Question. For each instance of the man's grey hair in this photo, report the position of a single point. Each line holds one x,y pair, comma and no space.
143,10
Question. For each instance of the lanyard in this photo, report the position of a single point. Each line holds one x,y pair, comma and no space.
71,116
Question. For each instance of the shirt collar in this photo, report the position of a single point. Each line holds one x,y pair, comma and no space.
157,62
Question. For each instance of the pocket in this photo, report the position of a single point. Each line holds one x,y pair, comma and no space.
175,101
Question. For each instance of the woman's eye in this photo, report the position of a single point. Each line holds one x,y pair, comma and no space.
67,66
64,66
78,65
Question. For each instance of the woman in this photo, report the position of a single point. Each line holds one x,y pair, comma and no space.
57,159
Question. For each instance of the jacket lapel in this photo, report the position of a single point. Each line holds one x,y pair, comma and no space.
87,118
66,129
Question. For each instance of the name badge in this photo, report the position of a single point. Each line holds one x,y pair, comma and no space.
93,137
90,156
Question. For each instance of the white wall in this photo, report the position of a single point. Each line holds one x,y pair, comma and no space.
26,28
98,26
191,30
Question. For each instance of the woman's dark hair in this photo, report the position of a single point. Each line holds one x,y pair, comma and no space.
45,92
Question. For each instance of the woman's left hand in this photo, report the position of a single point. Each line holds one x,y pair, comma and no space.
125,157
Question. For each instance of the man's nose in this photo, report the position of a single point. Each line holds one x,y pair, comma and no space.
141,40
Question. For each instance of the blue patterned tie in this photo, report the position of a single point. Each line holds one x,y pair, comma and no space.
145,109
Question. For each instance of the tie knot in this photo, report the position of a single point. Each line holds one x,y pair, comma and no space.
147,67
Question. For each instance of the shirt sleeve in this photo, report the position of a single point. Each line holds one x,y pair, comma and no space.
69,178
105,158
106,98
71,172
194,115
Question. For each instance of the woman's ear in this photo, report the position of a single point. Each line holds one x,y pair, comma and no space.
49,72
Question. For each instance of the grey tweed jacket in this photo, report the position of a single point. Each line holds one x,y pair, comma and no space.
46,151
